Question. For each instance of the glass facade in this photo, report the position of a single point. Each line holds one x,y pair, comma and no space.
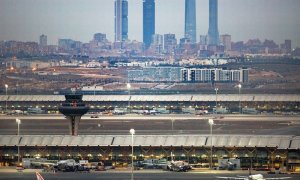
124,20
148,21
190,20
213,31
121,20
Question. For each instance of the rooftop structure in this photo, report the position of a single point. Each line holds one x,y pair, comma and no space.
159,98
271,141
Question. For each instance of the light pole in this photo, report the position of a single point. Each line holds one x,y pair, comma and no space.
216,89
17,86
240,107
95,90
128,88
211,123
132,132
6,86
18,121
172,120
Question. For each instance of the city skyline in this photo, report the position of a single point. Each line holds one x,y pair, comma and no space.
21,21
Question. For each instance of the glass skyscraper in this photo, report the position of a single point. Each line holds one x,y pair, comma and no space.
148,21
190,20
213,31
121,20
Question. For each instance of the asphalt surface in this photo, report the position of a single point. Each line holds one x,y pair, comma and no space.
155,124
155,175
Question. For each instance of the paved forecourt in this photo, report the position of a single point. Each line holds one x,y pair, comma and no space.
154,125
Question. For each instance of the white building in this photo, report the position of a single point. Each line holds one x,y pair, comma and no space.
213,74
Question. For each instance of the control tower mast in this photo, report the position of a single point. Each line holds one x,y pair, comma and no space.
73,108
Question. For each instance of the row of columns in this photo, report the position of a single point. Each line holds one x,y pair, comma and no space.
109,153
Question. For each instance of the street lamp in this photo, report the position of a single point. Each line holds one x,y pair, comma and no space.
211,123
6,86
132,132
17,86
172,120
18,121
240,107
216,89
128,88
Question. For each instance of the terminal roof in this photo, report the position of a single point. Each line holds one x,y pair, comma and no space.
280,142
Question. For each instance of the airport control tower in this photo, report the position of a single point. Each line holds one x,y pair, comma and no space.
73,108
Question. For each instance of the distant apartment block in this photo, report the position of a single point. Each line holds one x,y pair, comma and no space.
226,41
99,37
170,43
157,43
67,44
206,75
155,74
286,47
179,74
43,40
16,48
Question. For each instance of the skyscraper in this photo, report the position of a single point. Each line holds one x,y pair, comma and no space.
148,21
121,20
190,20
213,31
43,40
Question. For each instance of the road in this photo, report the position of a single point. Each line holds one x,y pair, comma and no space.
157,124
149,175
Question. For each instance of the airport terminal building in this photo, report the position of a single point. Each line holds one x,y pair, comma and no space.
262,151
173,102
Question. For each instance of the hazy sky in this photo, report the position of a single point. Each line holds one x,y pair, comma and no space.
25,20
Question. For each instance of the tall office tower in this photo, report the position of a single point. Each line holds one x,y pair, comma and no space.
148,21
121,20
43,40
226,41
213,32
190,20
